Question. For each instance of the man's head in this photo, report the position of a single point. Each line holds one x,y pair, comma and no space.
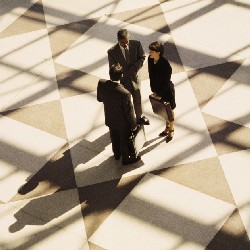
115,72
123,37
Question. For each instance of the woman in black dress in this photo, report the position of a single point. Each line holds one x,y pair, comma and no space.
160,72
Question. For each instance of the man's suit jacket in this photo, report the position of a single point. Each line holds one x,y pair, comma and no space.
118,107
136,59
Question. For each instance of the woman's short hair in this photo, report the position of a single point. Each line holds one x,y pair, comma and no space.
115,72
157,47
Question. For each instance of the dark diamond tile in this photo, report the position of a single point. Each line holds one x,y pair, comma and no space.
63,36
227,137
33,19
172,54
232,236
92,246
205,176
206,82
74,82
47,117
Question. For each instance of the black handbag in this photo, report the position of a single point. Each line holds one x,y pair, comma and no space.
161,108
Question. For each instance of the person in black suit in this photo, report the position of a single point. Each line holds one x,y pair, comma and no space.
160,72
130,55
119,113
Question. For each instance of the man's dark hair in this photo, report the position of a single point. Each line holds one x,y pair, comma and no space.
115,72
157,47
122,34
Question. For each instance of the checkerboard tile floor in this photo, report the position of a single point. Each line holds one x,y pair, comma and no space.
60,187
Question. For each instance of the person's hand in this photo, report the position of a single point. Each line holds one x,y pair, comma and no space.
135,128
156,96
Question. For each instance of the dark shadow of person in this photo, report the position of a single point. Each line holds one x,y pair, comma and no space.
42,210
60,173
59,170
151,147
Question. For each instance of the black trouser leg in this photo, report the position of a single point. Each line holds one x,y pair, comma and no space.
119,139
124,144
115,140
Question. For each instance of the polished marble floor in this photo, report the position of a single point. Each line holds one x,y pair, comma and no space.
60,187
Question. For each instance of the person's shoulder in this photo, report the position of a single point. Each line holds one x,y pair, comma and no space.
164,60
104,84
102,81
113,47
134,42
122,90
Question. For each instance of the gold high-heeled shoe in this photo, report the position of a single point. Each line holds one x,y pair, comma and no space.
169,135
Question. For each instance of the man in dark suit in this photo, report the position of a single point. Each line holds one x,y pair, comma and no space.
130,55
119,113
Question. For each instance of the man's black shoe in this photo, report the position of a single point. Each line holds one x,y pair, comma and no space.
144,121
131,161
